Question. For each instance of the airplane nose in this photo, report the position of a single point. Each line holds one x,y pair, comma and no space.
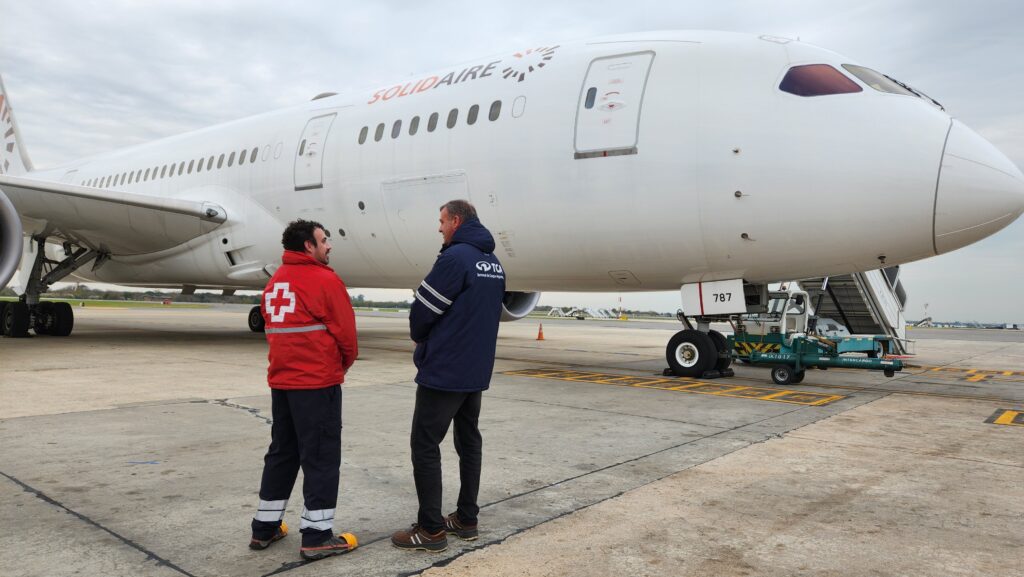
980,191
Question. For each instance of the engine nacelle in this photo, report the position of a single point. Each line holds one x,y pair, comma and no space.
516,305
10,240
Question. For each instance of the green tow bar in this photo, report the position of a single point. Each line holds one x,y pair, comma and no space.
812,361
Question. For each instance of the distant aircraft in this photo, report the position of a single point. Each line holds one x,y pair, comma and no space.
709,162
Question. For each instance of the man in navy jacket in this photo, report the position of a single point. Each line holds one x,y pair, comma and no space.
454,322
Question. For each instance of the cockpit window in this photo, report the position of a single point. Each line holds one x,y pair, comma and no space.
877,80
817,80
883,83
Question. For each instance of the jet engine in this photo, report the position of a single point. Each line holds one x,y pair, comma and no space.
516,305
10,240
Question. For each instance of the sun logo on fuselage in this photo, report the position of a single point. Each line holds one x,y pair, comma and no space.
527,62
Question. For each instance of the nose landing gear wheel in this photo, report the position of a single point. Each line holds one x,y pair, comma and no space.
691,353
722,346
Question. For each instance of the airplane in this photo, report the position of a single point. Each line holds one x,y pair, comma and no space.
712,163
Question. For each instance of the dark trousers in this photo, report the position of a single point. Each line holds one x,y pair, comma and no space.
306,433
435,411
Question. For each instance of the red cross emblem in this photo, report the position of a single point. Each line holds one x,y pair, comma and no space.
279,302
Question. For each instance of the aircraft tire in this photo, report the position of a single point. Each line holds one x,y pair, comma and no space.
783,374
16,320
722,346
256,322
63,320
691,353
43,319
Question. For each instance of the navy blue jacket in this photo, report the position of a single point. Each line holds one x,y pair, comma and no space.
454,319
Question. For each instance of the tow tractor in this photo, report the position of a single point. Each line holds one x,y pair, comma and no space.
775,328
783,338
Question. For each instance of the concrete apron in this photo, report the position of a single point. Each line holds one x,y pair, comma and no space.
578,478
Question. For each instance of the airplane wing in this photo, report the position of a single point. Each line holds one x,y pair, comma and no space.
116,222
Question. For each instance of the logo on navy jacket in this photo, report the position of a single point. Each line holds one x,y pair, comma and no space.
491,270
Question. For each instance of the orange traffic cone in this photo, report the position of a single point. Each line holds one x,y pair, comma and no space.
540,332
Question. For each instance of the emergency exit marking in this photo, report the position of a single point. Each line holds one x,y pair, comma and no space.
683,386
1012,417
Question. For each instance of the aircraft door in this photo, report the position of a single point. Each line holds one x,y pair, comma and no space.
309,158
608,114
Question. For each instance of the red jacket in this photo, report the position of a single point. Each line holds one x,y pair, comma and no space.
310,325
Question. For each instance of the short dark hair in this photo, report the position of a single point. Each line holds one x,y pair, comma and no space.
460,208
298,232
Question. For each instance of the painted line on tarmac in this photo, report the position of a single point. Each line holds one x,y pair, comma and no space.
688,386
1011,417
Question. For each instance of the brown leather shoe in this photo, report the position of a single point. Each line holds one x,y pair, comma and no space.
453,526
416,538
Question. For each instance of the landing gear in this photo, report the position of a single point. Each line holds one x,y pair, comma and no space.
16,320
45,318
691,353
257,323
722,346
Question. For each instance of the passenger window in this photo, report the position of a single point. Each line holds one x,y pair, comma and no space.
453,117
396,129
231,159
495,111
146,176
379,133
363,133
131,177
432,122
199,165
241,157
302,149
591,96
181,167
414,125
252,157
209,163
817,80
138,175
220,161
191,164
473,112
163,171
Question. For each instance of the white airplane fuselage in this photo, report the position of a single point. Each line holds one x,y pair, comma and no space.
687,164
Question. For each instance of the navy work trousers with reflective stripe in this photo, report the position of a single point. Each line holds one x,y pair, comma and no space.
306,433
435,411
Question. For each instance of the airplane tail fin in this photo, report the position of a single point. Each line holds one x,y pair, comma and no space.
13,159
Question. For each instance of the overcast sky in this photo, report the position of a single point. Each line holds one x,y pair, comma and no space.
88,77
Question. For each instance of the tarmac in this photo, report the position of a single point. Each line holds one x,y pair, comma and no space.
134,447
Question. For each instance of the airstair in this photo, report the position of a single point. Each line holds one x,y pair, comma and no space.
869,302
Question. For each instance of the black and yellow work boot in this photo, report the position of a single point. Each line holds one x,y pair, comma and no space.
453,526
344,543
416,538
261,544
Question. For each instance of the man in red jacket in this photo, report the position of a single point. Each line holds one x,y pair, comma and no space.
311,330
